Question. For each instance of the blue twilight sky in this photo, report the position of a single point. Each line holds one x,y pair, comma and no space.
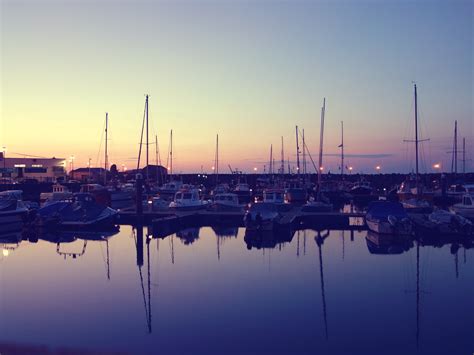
248,70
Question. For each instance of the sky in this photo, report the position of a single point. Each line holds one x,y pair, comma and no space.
249,71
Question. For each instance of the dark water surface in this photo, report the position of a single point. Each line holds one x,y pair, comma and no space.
204,293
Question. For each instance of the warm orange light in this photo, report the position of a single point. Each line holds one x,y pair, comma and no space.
437,166
378,167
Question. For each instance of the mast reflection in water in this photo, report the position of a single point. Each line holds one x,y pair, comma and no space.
225,290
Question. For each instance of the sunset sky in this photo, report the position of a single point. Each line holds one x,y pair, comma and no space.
248,70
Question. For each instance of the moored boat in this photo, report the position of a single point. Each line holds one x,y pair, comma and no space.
388,218
466,207
188,199
81,212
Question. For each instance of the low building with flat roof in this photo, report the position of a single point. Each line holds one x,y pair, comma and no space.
40,169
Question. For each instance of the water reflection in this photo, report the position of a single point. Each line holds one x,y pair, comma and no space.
361,286
319,242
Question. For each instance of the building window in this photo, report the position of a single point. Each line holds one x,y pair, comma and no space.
20,166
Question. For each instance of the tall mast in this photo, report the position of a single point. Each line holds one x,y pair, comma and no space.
171,154
455,147
416,137
156,150
304,156
464,155
216,163
147,143
321,135
342,149
282,158
270,165
106,158
157,158
297,153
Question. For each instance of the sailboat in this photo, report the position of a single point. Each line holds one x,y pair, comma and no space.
317,204
412,194
295,192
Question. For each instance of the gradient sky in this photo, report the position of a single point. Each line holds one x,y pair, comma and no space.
248,70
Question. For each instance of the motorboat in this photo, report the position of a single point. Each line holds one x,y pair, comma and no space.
276,196
170,188
361,187
417,205
244,192
466,207
82,211
59,192
441,222
13,211
295,192
457,191
315,205
388,218
226,201
121,195
262,216
220,189
188,199
100,193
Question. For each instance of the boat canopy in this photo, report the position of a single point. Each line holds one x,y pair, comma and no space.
381,209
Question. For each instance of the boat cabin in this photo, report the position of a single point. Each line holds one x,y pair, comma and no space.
274,196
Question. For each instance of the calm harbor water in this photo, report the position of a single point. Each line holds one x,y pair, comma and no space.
199,292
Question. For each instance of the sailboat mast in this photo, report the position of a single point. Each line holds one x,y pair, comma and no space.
270,165
106,163
416,137
464,155
342,148
171,153
147,143
156,150
297,153
455,147
282,158
216,163
321,135
304,156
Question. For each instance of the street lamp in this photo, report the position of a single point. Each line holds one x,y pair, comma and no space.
437,166
378,168
350,169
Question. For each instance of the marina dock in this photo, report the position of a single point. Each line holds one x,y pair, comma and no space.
168,222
